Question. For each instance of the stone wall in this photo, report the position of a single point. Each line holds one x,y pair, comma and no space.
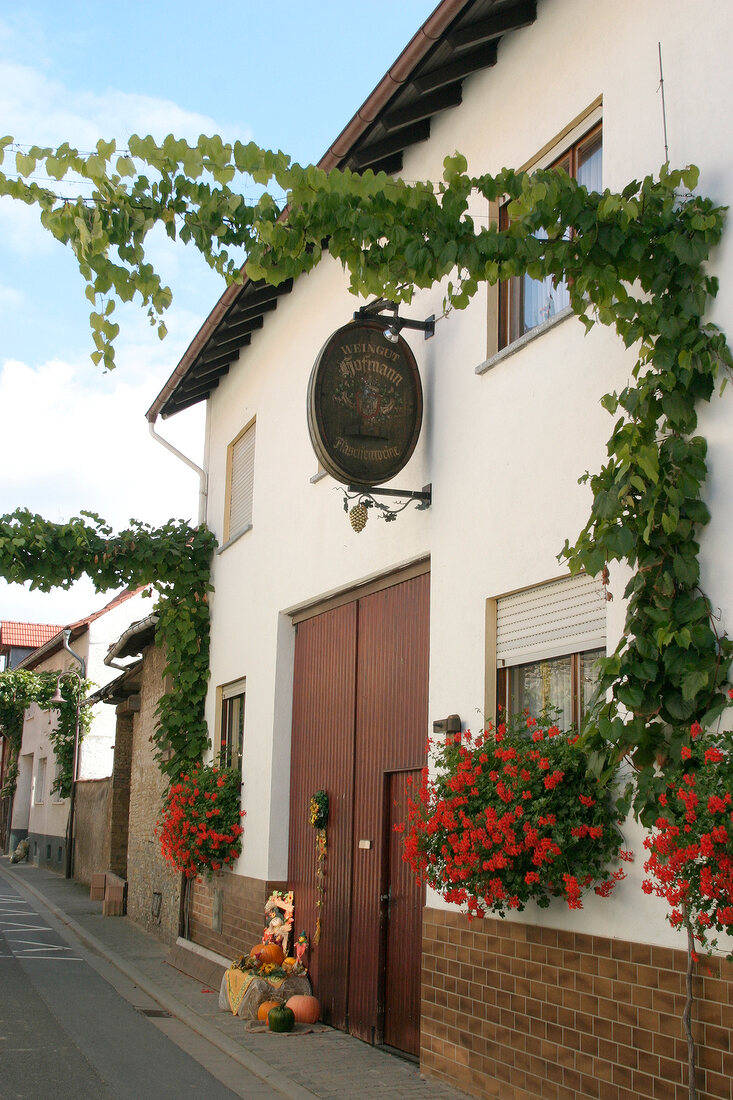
513,1010
154,890
91,828
234,901
119,806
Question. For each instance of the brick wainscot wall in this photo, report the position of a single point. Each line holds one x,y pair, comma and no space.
515,1011
233,922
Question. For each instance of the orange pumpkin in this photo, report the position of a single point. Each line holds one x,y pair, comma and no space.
305,1009
268,953
264,1008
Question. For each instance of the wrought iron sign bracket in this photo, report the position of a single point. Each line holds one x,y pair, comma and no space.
397,323
425,494
364,498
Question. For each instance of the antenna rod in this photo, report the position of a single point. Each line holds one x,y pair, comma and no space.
664,107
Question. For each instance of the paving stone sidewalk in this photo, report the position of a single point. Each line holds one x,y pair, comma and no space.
324,1064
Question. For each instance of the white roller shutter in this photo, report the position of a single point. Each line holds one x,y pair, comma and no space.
242,482
565,616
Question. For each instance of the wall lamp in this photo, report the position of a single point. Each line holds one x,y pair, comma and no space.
397,323
56,701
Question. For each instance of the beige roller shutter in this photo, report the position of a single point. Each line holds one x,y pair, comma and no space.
565,616
242,482
229,691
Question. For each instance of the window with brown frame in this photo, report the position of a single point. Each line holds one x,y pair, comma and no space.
524,303
548,640
562,686
231,725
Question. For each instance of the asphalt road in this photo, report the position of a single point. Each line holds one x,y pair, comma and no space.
65,1032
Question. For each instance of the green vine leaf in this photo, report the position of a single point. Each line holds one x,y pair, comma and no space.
633,260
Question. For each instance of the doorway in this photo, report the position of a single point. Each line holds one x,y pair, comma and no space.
360,708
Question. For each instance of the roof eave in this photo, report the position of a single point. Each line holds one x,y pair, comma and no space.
413,53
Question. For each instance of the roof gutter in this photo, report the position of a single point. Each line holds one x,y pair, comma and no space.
51,646
390,83
132,631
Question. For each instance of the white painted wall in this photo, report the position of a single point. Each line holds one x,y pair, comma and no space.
502,450
38,810
49,816
97,749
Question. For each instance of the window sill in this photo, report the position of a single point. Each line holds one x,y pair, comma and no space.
517,345
234,538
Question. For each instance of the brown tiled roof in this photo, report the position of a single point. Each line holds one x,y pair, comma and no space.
26,635
113,603
56,641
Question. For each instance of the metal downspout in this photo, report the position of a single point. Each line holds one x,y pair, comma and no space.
203,489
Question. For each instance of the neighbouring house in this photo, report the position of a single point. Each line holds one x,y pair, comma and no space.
137,783
17,641
334,654
20,640
37,813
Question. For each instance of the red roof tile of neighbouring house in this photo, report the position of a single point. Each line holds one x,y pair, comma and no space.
26,635
56,640
113,603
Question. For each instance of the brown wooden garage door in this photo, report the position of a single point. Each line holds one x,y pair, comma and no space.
360,705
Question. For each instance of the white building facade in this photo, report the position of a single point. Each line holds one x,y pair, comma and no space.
317,629
37,813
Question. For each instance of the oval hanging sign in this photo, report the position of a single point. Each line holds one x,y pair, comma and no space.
364,404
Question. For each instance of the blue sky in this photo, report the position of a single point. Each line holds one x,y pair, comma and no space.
288,76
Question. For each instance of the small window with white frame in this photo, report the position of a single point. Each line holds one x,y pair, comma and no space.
240,483
39,792
524,302
548,641
230,737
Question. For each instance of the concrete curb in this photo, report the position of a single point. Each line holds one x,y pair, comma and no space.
252,1062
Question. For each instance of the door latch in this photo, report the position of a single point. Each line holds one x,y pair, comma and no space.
386,900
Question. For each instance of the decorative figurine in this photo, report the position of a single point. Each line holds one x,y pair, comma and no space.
279,919
301,946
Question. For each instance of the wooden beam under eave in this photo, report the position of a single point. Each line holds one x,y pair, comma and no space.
482,58
424,107
485,30
246,312
202,390
236,331
257,293
367,155
202,376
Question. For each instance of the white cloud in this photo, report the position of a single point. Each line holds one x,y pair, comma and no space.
38,109
10,298
68,444
71,441
71,437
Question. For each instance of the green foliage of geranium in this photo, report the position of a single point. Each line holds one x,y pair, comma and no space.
199,828
690,847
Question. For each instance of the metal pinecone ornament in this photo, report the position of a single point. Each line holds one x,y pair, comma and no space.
358,516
